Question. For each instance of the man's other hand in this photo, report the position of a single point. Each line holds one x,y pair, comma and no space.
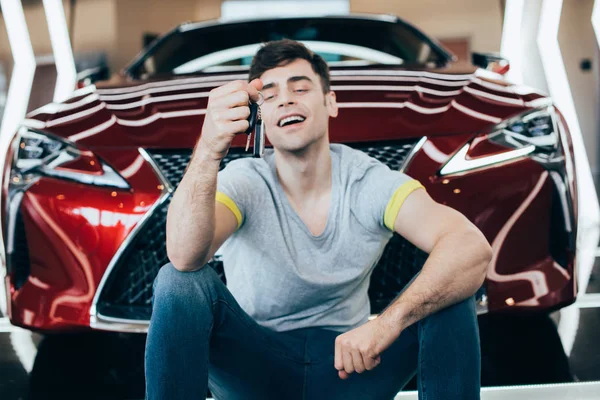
360,349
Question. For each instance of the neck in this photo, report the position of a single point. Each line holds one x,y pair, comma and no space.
305,174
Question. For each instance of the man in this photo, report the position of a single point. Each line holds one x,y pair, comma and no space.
306,225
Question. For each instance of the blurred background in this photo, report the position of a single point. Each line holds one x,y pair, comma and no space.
556,52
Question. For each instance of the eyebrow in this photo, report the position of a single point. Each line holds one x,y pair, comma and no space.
290,80
299,78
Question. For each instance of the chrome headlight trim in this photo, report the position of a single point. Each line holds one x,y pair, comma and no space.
54,152
459,163
505,135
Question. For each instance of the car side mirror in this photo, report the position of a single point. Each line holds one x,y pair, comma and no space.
491,61
92,75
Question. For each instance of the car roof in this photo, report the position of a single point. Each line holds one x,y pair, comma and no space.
385,18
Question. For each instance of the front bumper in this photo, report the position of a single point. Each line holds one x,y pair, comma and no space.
60,237
93,255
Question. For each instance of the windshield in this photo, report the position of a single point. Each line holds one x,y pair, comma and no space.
195,48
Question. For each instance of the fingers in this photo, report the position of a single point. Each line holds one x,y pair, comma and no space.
236,113
237,127
250,89
370,363
230,100
348,362
231,87
338,360
354,361
226,115
257,84
253,88
357,361
229,119
351,358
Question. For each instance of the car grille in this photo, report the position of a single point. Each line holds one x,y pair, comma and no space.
130,284
18,261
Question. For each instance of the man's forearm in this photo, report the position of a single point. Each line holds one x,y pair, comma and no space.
191,215
454,270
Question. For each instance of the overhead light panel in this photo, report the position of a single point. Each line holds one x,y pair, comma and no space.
66,77
558,84
512,42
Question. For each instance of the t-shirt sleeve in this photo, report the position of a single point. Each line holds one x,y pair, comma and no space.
234,190
380,193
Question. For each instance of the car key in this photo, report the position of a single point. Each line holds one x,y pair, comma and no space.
251,122
248,141
256,126
259,136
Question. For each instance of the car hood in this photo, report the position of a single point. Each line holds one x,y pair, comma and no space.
375,103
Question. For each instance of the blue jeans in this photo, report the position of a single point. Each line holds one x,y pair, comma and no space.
199,336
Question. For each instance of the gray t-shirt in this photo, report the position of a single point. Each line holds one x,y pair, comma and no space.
280,273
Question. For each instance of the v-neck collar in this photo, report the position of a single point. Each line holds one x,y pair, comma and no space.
331,213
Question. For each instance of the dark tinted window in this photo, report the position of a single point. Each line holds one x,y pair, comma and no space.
340,41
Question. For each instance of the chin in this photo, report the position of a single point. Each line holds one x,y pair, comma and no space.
294,149
298,143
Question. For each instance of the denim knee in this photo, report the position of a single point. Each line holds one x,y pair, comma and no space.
459,317
465,308
172,284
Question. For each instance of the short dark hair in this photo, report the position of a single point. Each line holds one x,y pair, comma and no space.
280,53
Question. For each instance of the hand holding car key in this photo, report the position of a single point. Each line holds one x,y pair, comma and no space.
232,109
256,125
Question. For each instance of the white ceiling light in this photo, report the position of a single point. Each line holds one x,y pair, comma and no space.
244,9
596,19
17,101
19,88
558,84
511,46
22,74
61,47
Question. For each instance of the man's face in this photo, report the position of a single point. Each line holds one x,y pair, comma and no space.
296,111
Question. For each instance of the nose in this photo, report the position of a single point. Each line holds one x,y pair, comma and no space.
286,98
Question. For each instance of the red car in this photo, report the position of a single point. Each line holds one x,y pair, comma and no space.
87,182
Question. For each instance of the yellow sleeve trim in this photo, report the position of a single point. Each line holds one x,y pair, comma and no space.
393,207
226,200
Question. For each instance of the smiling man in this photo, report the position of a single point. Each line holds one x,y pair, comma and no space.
301,230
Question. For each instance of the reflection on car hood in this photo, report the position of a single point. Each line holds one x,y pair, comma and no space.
375,103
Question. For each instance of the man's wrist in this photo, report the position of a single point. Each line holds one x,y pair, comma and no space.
205,156
392,319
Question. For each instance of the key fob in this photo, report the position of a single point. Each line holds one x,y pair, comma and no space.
259,140
252,118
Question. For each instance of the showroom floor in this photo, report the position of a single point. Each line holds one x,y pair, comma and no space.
100,365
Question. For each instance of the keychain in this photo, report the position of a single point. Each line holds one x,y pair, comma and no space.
256,125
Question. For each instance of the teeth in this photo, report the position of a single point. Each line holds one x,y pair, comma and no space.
292,118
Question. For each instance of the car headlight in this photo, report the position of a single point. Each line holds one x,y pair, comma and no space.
38,154
530,133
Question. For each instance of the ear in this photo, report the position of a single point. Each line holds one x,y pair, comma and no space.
331,102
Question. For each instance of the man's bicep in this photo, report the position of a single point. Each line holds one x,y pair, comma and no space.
422,221
226,223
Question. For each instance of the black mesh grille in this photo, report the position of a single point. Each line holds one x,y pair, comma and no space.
130,284
19,264
172,163
400,262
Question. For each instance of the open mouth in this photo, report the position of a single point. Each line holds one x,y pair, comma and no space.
291,120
